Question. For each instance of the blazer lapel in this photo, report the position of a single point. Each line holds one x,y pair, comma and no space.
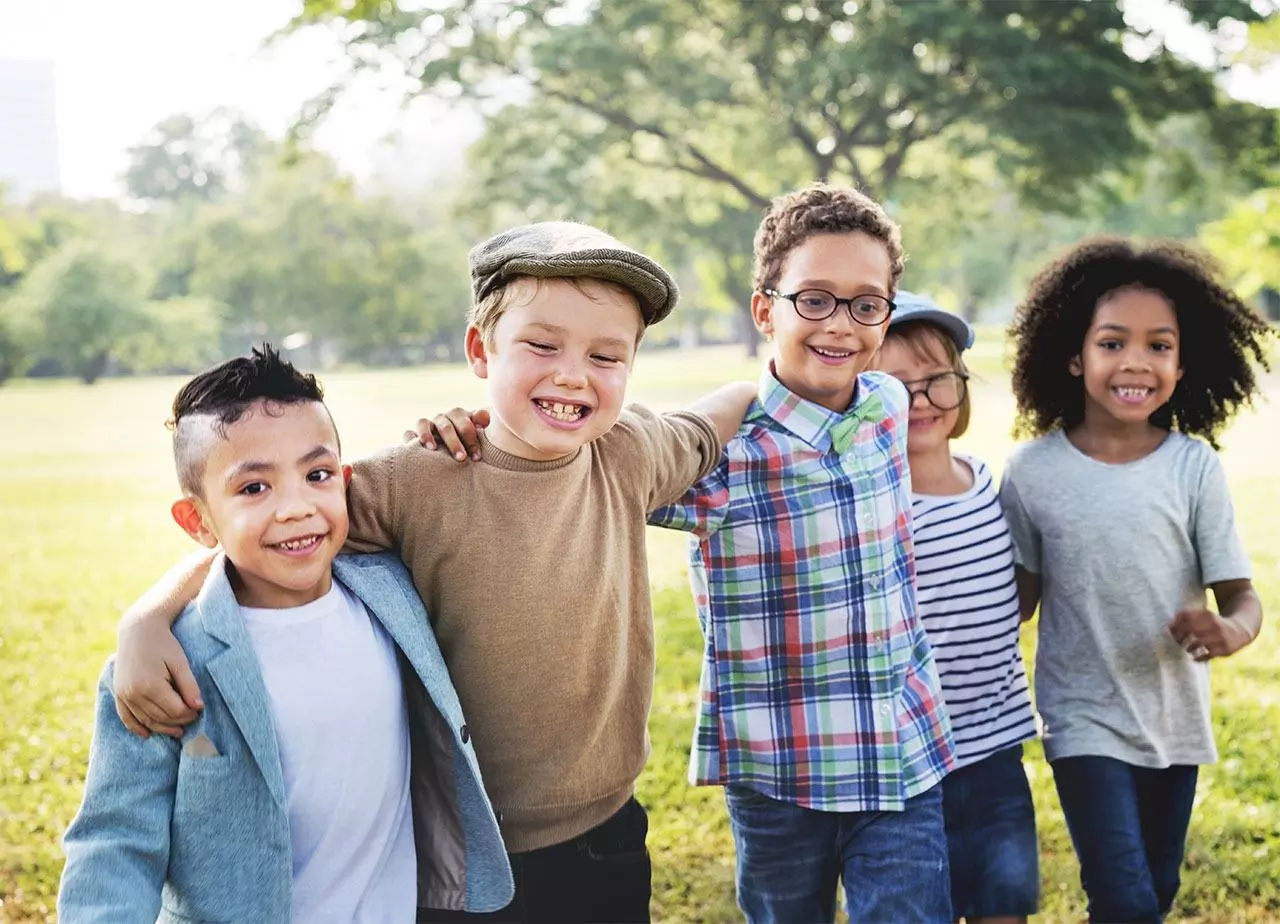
398,609
238,676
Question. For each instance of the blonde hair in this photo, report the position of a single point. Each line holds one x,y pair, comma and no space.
931,343
520,290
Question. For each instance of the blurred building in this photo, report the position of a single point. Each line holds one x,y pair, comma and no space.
28,129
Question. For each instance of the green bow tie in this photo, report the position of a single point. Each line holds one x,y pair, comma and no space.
870,408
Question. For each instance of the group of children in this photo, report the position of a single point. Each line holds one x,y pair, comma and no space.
331,751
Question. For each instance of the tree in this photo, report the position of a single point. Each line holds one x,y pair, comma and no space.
1247,242
685,119
185,158
82,305
301,251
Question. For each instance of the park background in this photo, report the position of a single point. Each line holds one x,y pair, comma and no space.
996,132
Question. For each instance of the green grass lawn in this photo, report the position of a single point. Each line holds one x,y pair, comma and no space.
84,528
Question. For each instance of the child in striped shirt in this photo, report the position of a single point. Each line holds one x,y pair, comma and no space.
969,605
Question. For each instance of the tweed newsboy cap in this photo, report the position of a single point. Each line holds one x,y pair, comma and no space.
551,249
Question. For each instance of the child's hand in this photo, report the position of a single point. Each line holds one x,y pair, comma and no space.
155,689
1204,634
455,431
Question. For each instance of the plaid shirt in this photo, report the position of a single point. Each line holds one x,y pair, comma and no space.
818,686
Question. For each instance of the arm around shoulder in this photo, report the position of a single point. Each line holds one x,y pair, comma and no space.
726,406
371,502
118,845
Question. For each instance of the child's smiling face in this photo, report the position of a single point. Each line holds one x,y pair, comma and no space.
557,366
916,364
820,360
274,495
1131,359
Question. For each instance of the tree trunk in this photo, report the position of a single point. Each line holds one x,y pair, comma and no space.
741,296
93,367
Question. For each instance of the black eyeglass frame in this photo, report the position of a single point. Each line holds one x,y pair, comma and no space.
929,381
846,302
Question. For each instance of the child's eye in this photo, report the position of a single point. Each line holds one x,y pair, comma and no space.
320,475
253,488
1111,345
1162,347
606,360
540,347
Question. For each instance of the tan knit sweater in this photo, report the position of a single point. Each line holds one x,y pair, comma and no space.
535,578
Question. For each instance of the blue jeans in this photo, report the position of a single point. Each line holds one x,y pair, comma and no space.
790,859
991,836
1129,827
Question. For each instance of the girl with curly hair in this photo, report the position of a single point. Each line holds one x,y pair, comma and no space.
1121,519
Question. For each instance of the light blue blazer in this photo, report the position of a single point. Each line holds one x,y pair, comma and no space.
163,835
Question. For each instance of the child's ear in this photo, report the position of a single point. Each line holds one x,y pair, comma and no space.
1074,366
346,476
477,352
762,313
187,514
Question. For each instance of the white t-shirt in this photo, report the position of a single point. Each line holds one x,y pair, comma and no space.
969,606
338,707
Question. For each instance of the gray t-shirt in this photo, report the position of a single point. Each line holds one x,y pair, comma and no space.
1119,550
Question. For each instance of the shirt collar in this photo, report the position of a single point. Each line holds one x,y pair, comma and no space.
813,423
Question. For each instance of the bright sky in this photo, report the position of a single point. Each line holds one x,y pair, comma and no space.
122,67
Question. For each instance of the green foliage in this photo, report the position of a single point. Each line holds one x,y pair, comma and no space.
1247,241
302,251
680,121
88,480
81,304
185,158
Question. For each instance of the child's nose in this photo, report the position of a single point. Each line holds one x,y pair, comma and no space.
295,507
1135,360
570,374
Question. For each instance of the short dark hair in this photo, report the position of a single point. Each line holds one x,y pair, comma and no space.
1220,336
820,208
220,396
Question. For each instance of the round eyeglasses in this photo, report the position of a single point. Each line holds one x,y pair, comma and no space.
819,304
945,391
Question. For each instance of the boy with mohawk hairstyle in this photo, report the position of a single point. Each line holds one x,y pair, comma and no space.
821,710
290,797
532,562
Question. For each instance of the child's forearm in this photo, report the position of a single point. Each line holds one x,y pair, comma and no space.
1028,585
726,406
170,595
1239,603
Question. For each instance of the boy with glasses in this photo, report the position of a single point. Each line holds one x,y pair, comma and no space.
821,711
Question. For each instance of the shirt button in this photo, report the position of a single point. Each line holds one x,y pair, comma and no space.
886,709
875,580
465,734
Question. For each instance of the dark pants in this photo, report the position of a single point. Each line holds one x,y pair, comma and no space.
1129,827
991,837
602,877
791,860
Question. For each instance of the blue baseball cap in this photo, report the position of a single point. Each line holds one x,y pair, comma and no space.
911,307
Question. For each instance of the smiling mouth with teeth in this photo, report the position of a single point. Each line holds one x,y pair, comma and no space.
301,544
1132,392
569,413
832,354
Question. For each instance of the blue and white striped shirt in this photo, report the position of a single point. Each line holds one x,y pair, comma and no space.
969,605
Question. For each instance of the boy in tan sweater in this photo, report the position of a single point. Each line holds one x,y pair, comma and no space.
532,563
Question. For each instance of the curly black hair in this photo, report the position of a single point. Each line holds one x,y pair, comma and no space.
1219,335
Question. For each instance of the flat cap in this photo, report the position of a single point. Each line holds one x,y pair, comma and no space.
563,249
